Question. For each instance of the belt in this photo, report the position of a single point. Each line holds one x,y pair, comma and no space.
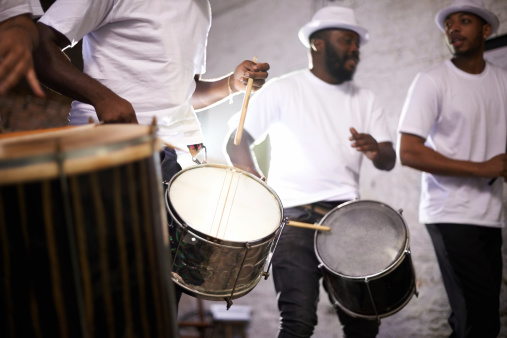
321,208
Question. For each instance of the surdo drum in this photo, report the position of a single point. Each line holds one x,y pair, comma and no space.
83,236
224,225
365,259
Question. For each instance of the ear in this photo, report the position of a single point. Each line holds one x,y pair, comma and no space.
486,30
317,44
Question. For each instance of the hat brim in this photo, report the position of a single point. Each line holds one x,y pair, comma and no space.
487,15
314,26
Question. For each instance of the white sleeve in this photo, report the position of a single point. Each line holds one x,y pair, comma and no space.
37,10
11,8
76,18
421,107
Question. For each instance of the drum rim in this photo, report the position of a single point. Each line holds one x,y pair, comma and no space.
210,238
216,296
396,261
64,161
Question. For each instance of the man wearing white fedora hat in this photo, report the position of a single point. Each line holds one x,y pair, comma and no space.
321,126
454,129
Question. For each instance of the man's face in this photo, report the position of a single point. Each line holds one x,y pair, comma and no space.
342,54
465,33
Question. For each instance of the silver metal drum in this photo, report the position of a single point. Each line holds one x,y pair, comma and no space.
365,259
224,228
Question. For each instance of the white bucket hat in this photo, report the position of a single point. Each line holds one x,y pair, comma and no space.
471,6
332,17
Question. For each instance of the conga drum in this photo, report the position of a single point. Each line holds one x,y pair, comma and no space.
83,235
365,259
224,225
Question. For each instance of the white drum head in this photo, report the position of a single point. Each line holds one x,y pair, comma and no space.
225,203
366,238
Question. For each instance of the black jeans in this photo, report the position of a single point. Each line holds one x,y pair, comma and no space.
470,260
170,167
297,282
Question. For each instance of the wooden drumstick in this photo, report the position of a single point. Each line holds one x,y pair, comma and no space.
309,226
239,131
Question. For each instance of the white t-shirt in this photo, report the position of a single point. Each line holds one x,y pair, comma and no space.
10,8
146,52
464,117
308,122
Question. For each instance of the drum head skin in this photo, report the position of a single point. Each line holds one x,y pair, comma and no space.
366,238
225,203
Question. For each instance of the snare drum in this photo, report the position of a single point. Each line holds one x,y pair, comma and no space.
365,259
224,226
84,246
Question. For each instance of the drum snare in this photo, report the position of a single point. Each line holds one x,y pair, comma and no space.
365,259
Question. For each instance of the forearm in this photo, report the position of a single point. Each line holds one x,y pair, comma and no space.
57,72
210,92
418,156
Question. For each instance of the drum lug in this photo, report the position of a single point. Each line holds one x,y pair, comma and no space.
400,211
367,282
285,220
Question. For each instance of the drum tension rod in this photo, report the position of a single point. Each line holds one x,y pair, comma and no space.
367,282
285,221
229,300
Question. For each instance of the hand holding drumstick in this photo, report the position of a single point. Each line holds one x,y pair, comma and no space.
254,77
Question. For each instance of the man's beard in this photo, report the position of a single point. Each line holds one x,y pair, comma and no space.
336,65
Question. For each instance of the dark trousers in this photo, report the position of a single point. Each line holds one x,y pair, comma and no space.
297,282
170,167
470,261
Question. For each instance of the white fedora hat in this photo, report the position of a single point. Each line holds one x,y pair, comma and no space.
471,6
332,17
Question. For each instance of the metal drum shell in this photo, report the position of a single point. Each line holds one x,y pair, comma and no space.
377,294
207,267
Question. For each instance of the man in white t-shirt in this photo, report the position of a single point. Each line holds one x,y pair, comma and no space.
454,129
18,39
321,126
142,60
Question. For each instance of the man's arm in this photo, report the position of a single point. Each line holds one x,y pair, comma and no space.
381,154
415,154
242,156
209,92
57,72
18,39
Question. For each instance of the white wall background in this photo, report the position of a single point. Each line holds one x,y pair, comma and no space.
404,40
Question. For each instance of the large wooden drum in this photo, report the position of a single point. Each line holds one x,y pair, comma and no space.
83,236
